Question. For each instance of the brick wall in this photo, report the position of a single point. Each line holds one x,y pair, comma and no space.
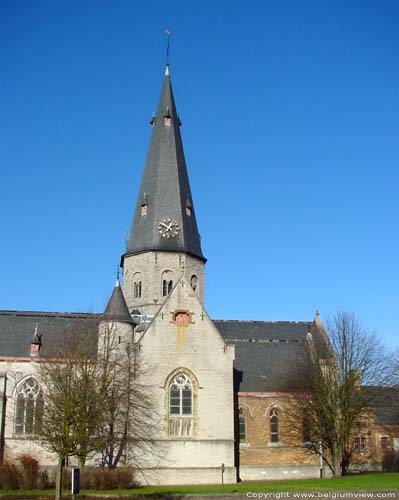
259,448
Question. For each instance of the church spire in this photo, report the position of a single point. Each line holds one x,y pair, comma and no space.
164,219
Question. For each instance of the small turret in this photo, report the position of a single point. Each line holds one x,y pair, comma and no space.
36,343
117,309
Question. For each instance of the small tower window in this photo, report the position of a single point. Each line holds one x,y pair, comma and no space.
167,118
137,282
137,289
194,282
144,205
166,282
188,208
167,286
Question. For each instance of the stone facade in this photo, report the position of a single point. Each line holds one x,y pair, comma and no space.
203,441
18,372
151,269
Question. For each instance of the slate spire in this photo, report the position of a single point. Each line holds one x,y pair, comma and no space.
165,199
117,309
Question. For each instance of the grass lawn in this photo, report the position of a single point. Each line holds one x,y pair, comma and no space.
387,480
378,481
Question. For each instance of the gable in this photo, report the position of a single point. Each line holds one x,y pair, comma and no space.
166,331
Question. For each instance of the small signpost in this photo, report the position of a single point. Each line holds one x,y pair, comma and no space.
75,481
222,468
321,459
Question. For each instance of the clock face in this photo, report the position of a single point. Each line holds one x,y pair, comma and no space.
168,228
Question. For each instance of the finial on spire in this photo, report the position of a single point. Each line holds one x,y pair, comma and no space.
168,33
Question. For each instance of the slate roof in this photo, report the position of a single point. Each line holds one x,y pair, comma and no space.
165,187
17,329
385,404
270,354
117,309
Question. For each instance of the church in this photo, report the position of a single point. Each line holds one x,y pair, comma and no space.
223,389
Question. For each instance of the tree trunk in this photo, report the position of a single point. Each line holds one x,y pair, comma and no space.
336,463
58,480
81,462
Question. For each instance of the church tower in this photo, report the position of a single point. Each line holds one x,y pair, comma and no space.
164,243
186,366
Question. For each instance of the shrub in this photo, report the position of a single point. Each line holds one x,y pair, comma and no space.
30,472
390,461
9,477
43,481
102,479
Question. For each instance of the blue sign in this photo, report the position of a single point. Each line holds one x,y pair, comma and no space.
75,480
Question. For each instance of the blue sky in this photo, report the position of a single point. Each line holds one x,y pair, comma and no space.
290,124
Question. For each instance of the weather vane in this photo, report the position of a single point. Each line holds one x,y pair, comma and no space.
168,33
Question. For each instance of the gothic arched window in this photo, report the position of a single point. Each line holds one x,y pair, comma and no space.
274,437
306,426
242,422
181,404
29,411
181,396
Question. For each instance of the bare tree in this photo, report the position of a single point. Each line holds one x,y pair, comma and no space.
74,395
129,421
340,387
393,370
95,397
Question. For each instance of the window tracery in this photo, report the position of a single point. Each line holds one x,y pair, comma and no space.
29,408
181,408
181,396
